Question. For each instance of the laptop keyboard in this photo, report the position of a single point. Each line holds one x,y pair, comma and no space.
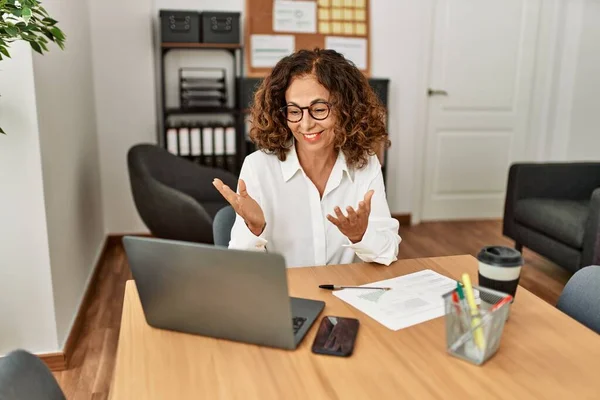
298,322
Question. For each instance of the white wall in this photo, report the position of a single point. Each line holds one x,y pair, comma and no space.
122,56
584,132
71,169
26,306
398,53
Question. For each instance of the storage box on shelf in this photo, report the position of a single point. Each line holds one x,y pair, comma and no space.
178,26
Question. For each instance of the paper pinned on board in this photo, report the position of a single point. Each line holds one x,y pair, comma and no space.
295,16
354,49
414,298
267,50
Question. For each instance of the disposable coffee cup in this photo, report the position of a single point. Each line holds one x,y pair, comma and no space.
500,269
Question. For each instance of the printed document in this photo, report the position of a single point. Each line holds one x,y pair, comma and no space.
413,299
295,16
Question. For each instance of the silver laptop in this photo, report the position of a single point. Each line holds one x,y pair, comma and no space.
218,292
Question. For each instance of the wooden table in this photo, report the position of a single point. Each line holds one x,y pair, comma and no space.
543,353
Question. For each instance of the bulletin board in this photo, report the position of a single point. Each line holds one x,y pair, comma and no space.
342,25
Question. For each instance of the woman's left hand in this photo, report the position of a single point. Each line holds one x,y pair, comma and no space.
355,224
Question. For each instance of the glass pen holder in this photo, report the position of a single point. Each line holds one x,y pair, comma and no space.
475,338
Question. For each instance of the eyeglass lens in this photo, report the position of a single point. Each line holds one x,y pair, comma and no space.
318,111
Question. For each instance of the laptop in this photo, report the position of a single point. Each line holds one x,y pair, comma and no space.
218,292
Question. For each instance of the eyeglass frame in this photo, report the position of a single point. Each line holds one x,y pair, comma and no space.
328,104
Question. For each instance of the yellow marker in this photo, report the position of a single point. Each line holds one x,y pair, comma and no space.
477,333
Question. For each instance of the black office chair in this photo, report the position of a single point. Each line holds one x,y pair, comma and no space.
25,376
175,197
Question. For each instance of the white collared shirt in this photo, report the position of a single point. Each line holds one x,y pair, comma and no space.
296,216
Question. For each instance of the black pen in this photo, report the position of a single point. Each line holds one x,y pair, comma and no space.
335,287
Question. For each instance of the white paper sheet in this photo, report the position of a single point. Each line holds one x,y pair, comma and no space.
295,16
354,49
414,298
267,50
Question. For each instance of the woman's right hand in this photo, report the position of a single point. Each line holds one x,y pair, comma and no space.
244,205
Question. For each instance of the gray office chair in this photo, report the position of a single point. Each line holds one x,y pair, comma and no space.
580,298
175,197
222,225
25,376
554,210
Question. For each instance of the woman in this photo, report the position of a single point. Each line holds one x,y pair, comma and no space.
319,127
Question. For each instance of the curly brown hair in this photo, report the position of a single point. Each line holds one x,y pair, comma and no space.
360,131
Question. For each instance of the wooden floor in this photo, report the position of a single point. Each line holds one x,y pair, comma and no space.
91,368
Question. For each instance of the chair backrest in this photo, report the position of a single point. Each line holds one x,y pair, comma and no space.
148,161
175,197
580,298
25,376
222,225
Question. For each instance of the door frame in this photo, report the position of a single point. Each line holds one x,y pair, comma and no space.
542,98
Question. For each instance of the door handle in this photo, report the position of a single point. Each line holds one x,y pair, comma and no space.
433,92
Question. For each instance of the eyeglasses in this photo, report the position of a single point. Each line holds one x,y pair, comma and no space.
319,111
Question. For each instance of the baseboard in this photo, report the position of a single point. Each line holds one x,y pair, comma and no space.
54,361
59,361
404,219
77,327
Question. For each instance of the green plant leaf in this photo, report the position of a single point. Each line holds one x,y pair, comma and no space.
35,46
12,31
2,131
49,35
4,51
26,14
28,36
57,33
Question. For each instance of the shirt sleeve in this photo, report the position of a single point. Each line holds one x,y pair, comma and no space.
381,240
241,236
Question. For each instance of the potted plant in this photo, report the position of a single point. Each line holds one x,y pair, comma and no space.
27,20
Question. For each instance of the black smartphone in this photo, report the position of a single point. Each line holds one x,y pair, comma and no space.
336,336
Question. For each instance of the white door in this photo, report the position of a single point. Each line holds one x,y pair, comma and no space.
483,59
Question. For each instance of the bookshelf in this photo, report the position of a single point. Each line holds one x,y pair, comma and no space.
201,149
